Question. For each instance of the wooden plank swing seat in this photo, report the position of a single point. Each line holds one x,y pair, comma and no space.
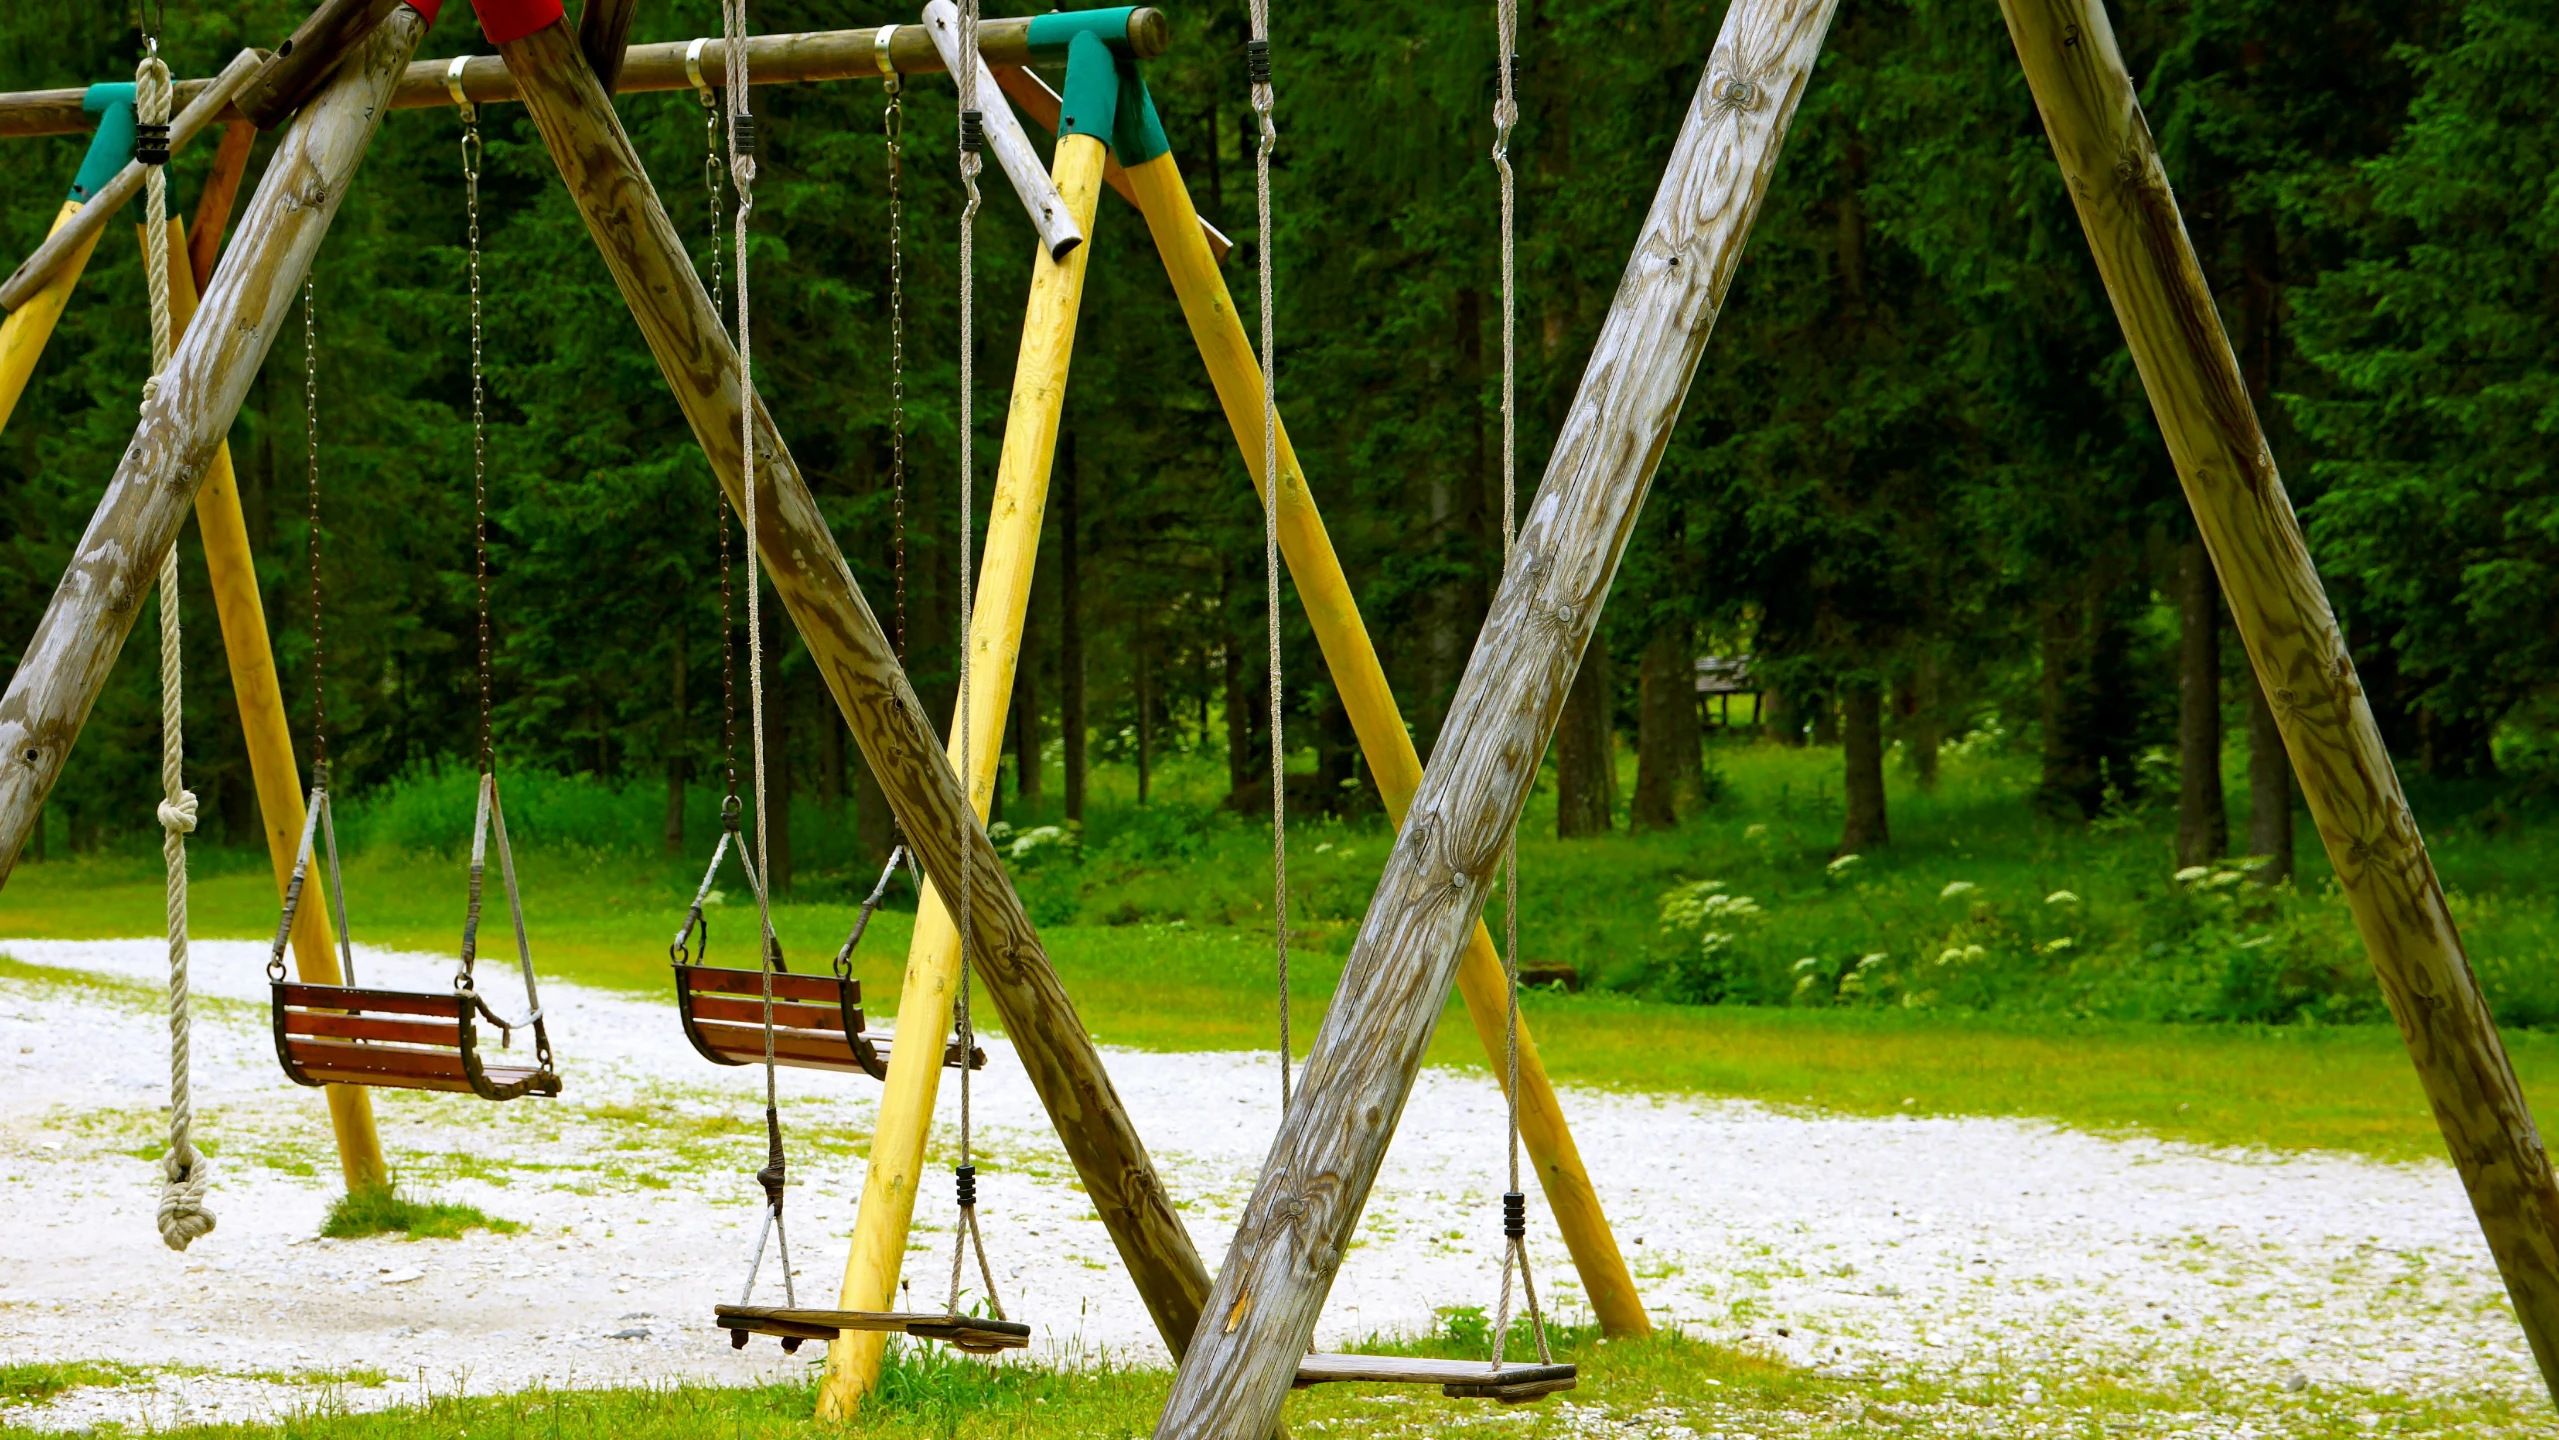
1511,1384
401,1039
961,1332
817,1019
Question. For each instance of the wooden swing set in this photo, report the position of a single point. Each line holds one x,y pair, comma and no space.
1243,1337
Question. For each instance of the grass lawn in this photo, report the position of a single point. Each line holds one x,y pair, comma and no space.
1153,925
1649,1386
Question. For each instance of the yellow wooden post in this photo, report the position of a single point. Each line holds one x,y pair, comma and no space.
24,333
995,638
1333,613
234,577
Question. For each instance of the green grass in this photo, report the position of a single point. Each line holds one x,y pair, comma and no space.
1160,929
1645,1387
23,1384
392,1211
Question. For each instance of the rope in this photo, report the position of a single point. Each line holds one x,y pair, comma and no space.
183,1216
742,172
971,136
1515,1200
1258,71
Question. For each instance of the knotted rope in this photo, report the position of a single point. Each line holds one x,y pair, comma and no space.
1514,1201
183,1216
972,135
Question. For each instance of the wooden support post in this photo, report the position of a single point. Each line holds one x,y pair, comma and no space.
82,233
604,33
2130,215
24,334
231,569
1306,1206
898,1138
1332,611
213,207
199,395
301,65
648,261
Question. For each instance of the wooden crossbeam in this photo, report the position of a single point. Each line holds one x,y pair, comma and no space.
1306,1205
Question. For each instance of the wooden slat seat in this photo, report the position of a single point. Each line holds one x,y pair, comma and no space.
1511,1384
817,1021
399,1039
964,1332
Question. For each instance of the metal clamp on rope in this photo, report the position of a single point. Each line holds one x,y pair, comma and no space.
967,1177
742,134
972,132
1257,61
1514,1214
151,142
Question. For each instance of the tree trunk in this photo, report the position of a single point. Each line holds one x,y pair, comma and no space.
1145,719
1247,768
1923,722
830,769
1585,775
1070,617
679,762
1777,717
1668,767
1861,707
2203,817
2269,790
874,824
1825,707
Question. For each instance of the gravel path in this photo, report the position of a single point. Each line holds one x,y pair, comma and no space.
1944,1245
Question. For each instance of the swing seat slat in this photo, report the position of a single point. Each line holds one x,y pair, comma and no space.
817,1021
963,1332
342,1035
1510,1384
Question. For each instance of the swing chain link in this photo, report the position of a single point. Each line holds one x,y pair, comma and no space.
311,453
471,155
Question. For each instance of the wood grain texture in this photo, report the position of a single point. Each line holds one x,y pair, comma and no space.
84,228
1003,596
302,63
1332,612
183,426
2282,614
1306,1205
231,573
604,35
649,264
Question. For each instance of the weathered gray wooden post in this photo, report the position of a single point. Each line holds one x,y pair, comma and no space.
2281,611
1307,1204
199,395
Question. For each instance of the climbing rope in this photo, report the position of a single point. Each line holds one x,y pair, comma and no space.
1257,59
972,138
1514,1200
183,1216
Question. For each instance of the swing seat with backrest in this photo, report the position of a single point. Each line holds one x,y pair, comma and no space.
402,1039
817,1019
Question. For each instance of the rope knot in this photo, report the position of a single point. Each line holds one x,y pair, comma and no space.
178,816
183,1216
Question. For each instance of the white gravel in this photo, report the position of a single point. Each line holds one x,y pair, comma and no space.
1875,1245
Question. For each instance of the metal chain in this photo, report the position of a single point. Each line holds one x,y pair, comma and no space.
311,451
479,421
893,126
